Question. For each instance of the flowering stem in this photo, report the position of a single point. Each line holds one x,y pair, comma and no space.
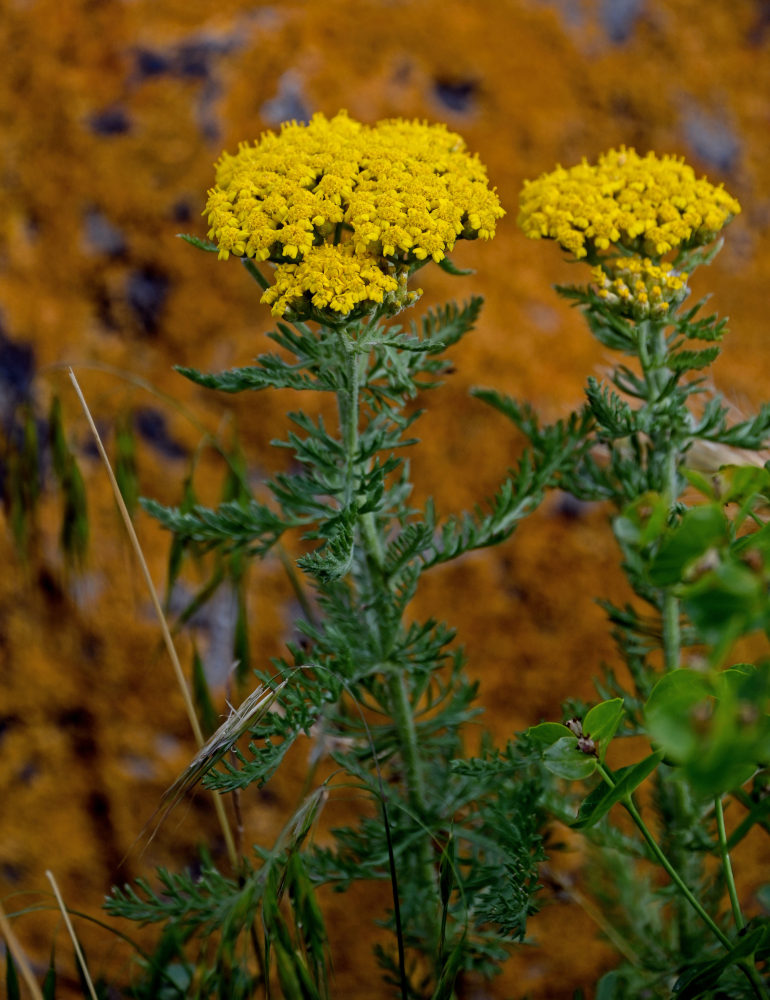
396,681
653,355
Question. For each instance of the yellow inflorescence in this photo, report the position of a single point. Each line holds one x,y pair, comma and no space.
638,287
393,194
646,204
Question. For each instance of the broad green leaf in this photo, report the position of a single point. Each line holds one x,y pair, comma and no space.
739,483
601,724
699,530
609,986
642,521
547,733
703,484
603,797
715,727
669,712
564,760
730,599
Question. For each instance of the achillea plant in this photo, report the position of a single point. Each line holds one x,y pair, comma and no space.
340,216
695,550
332,220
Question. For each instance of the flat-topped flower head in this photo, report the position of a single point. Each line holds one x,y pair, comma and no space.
648,205
397,193
639,289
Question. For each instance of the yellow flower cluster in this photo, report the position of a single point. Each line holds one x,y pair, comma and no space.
394,194
647,204
638,287
330,277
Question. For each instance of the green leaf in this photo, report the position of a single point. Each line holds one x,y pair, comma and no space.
335,557
601,724
287,971
699,530
726,602
703,484
450,969
547,733
231,525
200,244
58,440
451,268
125,464
609,986
49,983
715,728
685,361
703,977
603,797
274,375
74,528
564,760
11,978
207,714
641,522
669,711
739,483
241,644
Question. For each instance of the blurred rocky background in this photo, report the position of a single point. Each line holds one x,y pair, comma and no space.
112,113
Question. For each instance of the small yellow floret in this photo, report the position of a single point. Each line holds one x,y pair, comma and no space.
638,287
331,278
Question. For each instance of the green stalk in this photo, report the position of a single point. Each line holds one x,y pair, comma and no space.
746,965
727,864
628,805
348,407
672,638
653,352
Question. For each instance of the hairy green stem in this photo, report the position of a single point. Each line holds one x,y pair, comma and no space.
398,691
727,864
404,720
